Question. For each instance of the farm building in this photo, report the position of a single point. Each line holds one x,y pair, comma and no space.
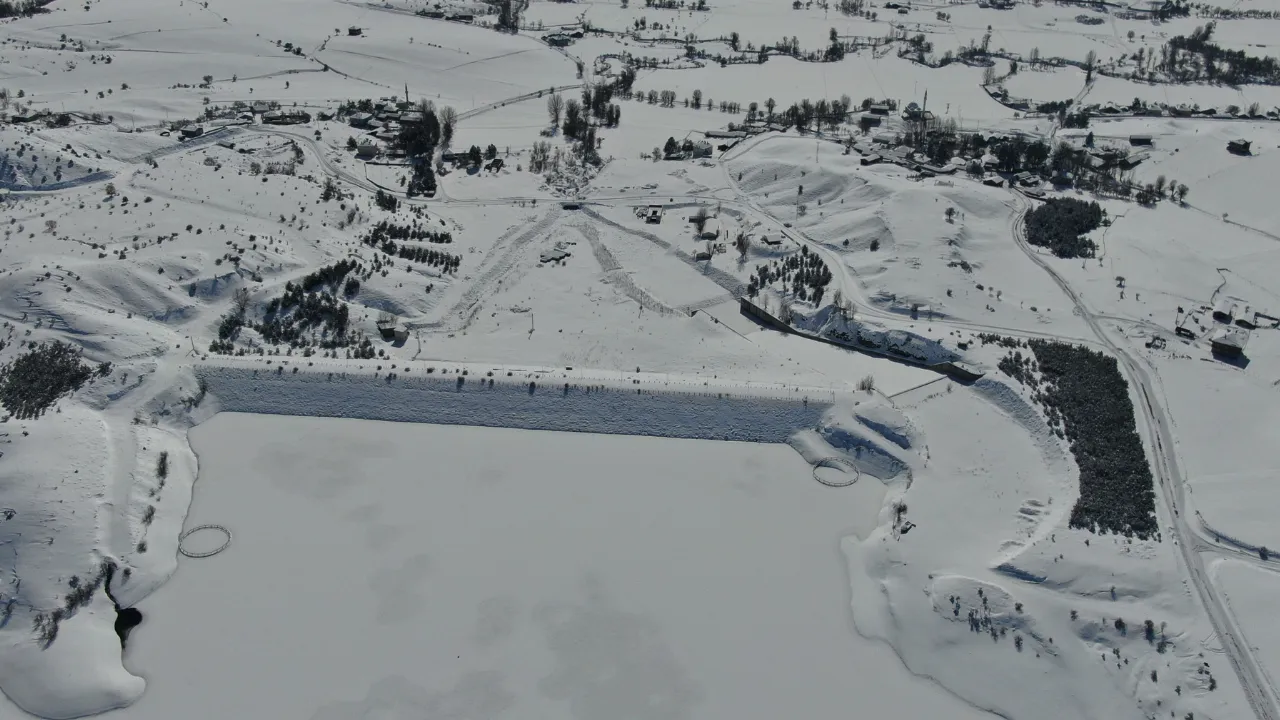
291,117
360,120
702,149
367,150
1224,310
387,325
710,229
1229,342
1238,147
1026,179
654,215
1140,140
354,31
553,255
192,131
871,159
1245,318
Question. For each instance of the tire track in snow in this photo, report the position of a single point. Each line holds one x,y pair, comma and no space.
618,278
733,285
507,251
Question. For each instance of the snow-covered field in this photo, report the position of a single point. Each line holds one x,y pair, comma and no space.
515,448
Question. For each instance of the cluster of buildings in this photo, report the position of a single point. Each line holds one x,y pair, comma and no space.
1231,322
383,124
562,39
439,14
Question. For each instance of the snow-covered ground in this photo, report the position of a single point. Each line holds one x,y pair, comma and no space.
674,555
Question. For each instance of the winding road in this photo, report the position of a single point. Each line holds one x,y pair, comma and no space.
1257,687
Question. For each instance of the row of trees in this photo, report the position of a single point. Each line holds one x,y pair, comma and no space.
668,98
676,4
394,231
806,114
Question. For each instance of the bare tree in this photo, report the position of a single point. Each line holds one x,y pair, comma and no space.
988,75
1090,59
240,301
700,219
555,107
448,121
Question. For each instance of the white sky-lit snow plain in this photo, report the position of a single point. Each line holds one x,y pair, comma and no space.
406,570
382,571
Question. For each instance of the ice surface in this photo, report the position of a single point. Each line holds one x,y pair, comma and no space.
397,570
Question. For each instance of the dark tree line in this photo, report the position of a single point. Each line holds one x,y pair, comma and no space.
33,382
1060,225
1216,63
22,8
1086,398
447,262
394,231
508,17
806,113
